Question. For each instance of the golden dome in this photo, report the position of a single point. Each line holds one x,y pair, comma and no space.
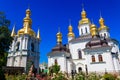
93,30
84,19
59,37
27,22
70,33
102,25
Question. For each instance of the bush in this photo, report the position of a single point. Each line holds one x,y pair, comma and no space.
80,76
93,76
59,76
108,76
16,77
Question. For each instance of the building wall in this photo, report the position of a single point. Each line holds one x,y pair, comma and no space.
82,29
75,47
61,60
18,58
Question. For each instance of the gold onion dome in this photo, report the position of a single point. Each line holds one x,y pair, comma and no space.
102,25
27,22
84,19
70,33
93,30
59,37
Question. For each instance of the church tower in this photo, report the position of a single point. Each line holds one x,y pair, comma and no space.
71,35
84,24
103,30
24,50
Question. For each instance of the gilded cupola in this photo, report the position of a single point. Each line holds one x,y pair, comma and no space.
93,30
59,37
27,23
84,19
102,25
70,31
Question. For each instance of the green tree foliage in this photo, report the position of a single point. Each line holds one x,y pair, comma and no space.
5,41
108,76
56,68
80,76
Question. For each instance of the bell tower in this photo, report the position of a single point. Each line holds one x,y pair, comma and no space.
25,46
84,24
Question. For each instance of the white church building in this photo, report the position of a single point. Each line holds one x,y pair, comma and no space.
93,51
24,49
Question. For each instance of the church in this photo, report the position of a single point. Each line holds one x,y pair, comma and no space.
24,49
93,51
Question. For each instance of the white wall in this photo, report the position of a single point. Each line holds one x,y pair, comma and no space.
82,29
74,47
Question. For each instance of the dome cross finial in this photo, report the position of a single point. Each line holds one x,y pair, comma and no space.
82,7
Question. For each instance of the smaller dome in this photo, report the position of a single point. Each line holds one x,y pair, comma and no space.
59,37
70,33
84,19
102,25
93,30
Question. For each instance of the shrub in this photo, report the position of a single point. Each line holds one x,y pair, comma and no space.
108,76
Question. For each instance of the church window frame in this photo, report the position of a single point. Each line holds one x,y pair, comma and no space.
81,31
105,35
86,30
55,61
79,54
17,46
93,58
32,47
100,58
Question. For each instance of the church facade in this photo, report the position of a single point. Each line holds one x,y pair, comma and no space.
24,49
93,51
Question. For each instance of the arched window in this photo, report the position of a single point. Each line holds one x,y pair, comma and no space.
17,46
100,58
81,31
79,54
101,35
105,35
86,30
93,58
55,61
32,47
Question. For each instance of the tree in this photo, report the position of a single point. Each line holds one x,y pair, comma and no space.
56,68
5,41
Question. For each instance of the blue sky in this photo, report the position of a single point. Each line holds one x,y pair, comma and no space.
48,15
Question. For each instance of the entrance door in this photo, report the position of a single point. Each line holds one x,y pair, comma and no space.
79,69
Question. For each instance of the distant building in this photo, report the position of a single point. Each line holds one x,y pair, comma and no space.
24,49
94,49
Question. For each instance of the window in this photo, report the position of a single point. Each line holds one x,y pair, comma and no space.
81,31
32,47
86,30
55,61
93,58
79,54
105,35
17,46
100,58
